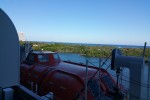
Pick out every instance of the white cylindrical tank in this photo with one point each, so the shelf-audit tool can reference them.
(9, 52)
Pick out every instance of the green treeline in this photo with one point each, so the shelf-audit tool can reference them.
(91, 51)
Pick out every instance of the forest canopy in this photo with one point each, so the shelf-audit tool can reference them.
(91, 51)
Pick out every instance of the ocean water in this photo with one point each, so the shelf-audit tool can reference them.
(117, 46)
(86, 44)
(124, 77)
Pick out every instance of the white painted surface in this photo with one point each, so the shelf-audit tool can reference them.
(136, 67)
(9, 52)
(8, 93)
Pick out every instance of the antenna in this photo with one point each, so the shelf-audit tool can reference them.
(144, 50)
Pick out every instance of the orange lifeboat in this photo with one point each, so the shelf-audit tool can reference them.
(44, 72)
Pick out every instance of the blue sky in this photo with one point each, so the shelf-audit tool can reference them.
(82, 21)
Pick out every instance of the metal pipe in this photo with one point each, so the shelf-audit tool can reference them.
(148, 89)
(31, 86)
(36, 88)
(144, 49)
(86, 80)
(118, 73)
(1, 93)
(99, 96)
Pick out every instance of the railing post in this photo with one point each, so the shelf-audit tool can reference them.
(32, 88)
(1, 93)
(99, 94)
(86, 80)
(148, 89)
(144, 50)
(36, 88)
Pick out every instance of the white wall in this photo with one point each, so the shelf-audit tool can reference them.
(9, 52)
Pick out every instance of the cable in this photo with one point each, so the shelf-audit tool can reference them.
(100, 67)
(103, 73)
(132, 80)
(92, 63)
(135, 82)
(96, 72)
(121, 74)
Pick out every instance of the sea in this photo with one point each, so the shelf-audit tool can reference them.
(112, 45)
(88, 44)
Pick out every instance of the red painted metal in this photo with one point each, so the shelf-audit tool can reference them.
(65, 79)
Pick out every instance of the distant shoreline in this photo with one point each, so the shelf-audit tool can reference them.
(90, 44)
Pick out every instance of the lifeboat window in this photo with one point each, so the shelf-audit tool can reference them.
(108, 82)
(56, 56)
(43, 58)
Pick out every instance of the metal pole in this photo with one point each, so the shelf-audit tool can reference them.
(118, 73)
(1, 93)
(86, 80)
(121, 70)
(148, 94)
(32, 86)
(144, 49)
(99, 96)
(36, 88)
